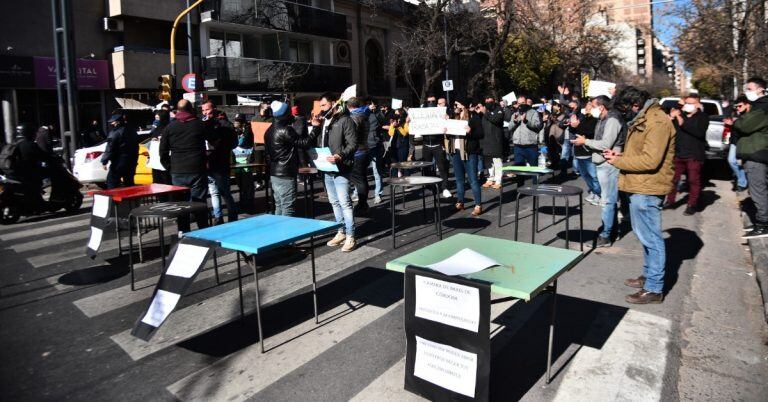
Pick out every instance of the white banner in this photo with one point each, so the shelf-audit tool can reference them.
(153, 162)
(427, 120)
(397, 103)
(597, 88)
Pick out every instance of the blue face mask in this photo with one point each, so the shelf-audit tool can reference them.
(156, 123)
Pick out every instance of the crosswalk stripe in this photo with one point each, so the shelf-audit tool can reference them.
(44, 243)
(629, 366)
(114, 299)
(232, 378)
(42, 230)
(223, 308)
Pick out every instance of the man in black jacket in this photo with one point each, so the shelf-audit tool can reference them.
(29, 164)
(433, 149)
(493, 140)
(690, 146)
(223, 140)
(360, 114)
(338, 133)
(283, 145)
(182, 152)
(122, 153)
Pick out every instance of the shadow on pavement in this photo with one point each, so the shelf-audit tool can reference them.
(681, 245)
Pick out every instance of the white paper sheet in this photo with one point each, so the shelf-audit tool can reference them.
(426, 120)
(162, 305)
(186, 260)
(100, 205)
(456, 127)
(597, 88)
(510, 98)
(321, 163)
(154, 156)
(448, 303)
(348, 93)
(464, 262)
(397, 103)
(446, 366)
(95, 241)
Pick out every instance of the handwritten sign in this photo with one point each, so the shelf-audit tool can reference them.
(427, 120)
(446, 366)
(597, 88)
(448, 303)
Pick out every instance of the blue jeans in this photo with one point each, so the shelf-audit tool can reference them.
(468, 167)
(337, 187)
(218, 185)
(284, 192)
(589, 174)
(738, 171)
(645, 213)
(529, 154)
(376, 162)
(608, 176)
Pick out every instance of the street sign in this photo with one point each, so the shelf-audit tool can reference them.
(448, 85)
(189, 82)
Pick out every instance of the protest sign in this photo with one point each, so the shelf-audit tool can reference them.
(427, 120)
(597, 88)
(397, 103)
(349, 93)
(510, 98)
(455, 127)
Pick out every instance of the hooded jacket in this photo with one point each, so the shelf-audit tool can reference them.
(646, 164)
(182, 146)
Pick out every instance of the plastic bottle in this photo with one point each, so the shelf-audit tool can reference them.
(542, 158)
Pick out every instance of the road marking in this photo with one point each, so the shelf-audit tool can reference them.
(45, 243)
(223, 308)
(629, 367)
(245, 373)
(38, 231)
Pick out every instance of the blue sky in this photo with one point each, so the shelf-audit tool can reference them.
(664, 24)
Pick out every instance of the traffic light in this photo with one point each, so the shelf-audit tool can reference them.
(165, 87)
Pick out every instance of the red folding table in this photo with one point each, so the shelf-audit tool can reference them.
(136, 195)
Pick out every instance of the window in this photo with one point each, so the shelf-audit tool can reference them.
(225, 44)
(300, 51)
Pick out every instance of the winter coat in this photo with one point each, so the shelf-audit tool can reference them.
(182, 146)
(340, 136)
(752, 128)
(122, 147)
(691, 139)
(647, 162)
(527, 132)
(493, 133)
(282, 144)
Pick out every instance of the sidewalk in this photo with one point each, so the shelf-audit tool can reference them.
(759, 248)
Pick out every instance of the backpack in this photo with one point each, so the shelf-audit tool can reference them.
(9, 158)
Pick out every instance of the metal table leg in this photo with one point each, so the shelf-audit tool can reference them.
(424, 203)
(162, 242)
(501, 195)
(240, 286)
(567, 222)
(517, 213)
(117, 232)
(252, 263)
(138, 232)
(130, 250)
(216, 267)
(314, 278)
(551, 331)
(392, 205)
(535, 223)
(437, 208)
(581, 222)
(312, 196)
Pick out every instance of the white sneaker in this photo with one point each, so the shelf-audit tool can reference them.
(349, 244)
(337, 240)
(376, 200)
(595, 200)
(354, 197)
(446, 193)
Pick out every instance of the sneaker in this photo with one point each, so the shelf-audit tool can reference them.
(349, 244)
(644, 297)
(595, 200)
(757, 232)
(602, 242)
(376, 200)
(496, 186)
(337, 240)
(689, 210)
(748, 227)
(354, 197)
(446, 193)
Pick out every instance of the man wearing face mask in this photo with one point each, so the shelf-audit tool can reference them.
(433, 149)
(690, 145)
(755, 93)
(752, 148)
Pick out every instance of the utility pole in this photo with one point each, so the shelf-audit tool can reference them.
(445, 43)
(66, 76)
(190, 58)
(173, 38)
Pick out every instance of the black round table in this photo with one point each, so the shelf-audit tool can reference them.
(307, 175)
(161, 212)
(554, 191)
(534, 175)
(408, 166)
(420, 181)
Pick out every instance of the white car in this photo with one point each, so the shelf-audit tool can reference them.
(87, 166)
(717, 136)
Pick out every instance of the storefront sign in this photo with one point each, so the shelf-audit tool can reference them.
(91, 74)
(16, 72)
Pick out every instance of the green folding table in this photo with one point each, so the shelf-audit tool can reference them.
(528, 270)
(533, 171)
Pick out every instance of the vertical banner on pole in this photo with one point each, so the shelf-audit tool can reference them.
(447, 324)
(102, 207)
(187, 259)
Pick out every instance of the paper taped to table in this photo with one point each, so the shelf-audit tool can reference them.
(100, 222)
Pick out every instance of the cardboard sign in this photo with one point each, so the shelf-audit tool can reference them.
(259, 129)
(397, 103)
(447, 331)
(427, 120)
(188, 258)
(456, 127)
(510, 98)
(597, 88)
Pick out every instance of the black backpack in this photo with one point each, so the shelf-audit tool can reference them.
(9, 158)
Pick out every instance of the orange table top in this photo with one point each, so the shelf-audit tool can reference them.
(126, 193)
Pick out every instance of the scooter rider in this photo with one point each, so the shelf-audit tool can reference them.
(29, 165)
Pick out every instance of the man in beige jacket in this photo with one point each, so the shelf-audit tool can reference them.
(646, 175)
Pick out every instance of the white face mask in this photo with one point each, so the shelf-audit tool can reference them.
(689, 108)
(751, 95)
(595, 112)
(583, 112)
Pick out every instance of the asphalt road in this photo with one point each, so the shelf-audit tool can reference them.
(66, 319)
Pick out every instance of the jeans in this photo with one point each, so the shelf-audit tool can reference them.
(645, 212)
(337, 187)
(494, 169)
(218, 185)
(589, 174)
(692, 169)
(359, 177)
(608, 177)
(376, 165)
(284, 192)
(438, 154)
(198, 190)
(738, 171)
(468, 167)
(526, 154)
(758, 188)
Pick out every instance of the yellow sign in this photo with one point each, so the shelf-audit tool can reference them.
(584, 84)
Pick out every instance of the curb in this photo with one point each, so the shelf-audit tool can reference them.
(759, 248)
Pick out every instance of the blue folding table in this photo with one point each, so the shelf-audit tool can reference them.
(259, 234)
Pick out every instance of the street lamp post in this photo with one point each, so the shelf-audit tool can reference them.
(173, 36)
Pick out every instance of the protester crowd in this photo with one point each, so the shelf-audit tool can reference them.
(630, 151)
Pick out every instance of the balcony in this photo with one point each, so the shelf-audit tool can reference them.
(241, 74)
(157, 10)
(278, 15)
(139, 68)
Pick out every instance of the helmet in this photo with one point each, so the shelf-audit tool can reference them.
(25, 130)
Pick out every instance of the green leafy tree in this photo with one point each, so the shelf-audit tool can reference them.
(527, 65)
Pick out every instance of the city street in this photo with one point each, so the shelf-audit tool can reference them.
(66, 319)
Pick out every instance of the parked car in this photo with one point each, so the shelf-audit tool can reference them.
(88, 168)
(717, 136)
